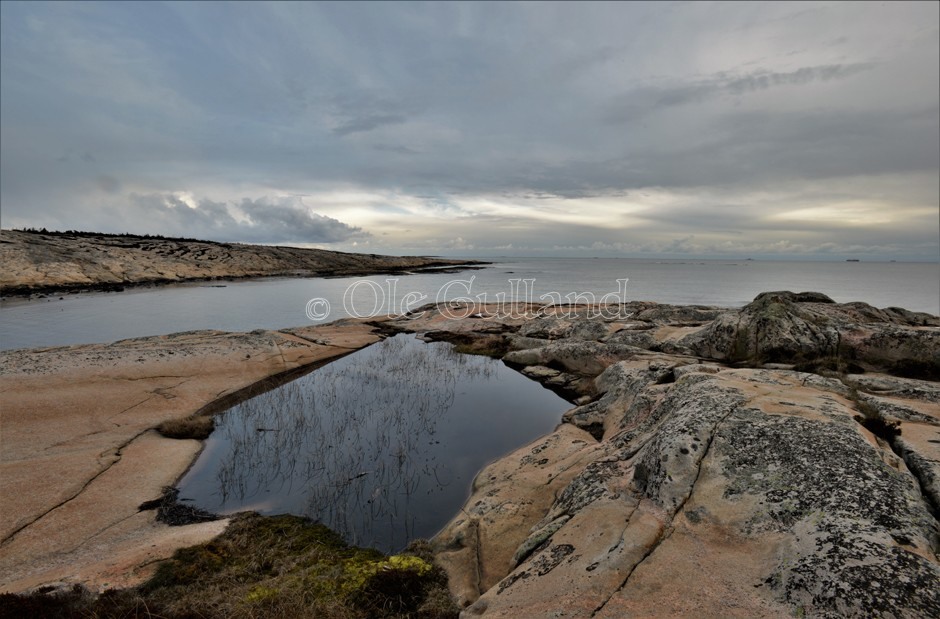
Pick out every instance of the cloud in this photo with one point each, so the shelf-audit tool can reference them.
(693, 246)
(361, 112)
(636, 104)
(288, 220)
(527, 125)
(805, 75)
(262, 220)
(361, 124)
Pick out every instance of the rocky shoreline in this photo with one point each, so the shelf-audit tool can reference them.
(80, 452)
(778, 460)
(37, 263)
(782, 459)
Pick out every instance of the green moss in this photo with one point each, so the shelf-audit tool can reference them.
(357, 573)
(292, 564)
(281, 566)
(187, 566)
(394, 586)
(260, 595)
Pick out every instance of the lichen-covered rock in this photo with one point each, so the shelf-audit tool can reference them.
(545, 328)
(637, 338)
(774, 327)
(773, 460)
(589, 330)
(797, 486)
(581, 357)
(835, 568)
(617, 385)
(669, 465)
(508, 497)
(706, 368)
(522, 342)
(922, 459)
(540, 372)
(673, 314)
(788, 327)
(897, 387)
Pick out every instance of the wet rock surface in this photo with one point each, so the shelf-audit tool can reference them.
(778, 460)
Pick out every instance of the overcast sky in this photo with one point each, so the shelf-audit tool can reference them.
(738, 129)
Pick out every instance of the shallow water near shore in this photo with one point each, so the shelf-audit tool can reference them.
(281, 303)
(381, 445)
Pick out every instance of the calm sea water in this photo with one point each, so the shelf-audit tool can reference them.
(281, 303)
(381, 446)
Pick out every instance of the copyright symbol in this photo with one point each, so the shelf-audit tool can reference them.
(317, 309)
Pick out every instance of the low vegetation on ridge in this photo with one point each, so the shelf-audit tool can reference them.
(280, 567)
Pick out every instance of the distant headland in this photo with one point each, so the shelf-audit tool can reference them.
(40, 261)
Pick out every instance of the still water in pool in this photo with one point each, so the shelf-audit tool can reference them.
(381, 445)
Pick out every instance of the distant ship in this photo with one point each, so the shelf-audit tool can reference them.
(853, 260)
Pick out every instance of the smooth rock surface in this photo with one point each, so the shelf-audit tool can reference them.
(79, 454)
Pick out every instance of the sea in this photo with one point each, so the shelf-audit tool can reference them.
(278, 303)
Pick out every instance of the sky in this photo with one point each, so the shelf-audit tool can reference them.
(791, 130)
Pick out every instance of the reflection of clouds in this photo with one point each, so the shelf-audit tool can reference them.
(351, 444)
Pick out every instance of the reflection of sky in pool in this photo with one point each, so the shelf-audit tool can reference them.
(381, 445)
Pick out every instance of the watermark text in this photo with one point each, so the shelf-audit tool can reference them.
(456, 300)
